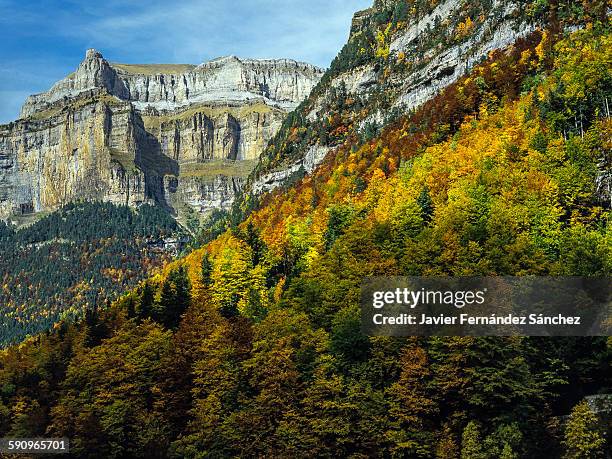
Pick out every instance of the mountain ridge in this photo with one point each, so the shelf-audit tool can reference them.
(110, 134)
(96, 72)
(422, 53)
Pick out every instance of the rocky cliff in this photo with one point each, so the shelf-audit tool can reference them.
(399, 55)
(126, 133)
(283, 83)
(87, 150)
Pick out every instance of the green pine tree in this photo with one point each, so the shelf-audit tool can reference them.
(147, 296)
(207, 269)
(174, 298)
(426, 204)
(471, 442)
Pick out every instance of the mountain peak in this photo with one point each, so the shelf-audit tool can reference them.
(230, 57)
(93, 53)
(221, 61)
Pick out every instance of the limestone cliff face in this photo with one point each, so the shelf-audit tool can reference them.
(126, 133)
(238, 132)
(204, 195)
(283, 83)
(438, 67)
(70, 155)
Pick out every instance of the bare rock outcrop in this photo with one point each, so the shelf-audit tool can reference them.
(124, 133)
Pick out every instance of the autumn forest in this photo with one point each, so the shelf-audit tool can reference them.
(248, 344)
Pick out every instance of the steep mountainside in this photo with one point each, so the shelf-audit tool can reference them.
(399, 55)
(125, 133)
(75, 259)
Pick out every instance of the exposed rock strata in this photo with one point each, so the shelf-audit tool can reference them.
(88, 151)
(283, 83)
(122, 133)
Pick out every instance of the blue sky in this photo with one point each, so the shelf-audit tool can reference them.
(43, 41)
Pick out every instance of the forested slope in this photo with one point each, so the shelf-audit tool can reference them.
(75, 259)
(251, 346)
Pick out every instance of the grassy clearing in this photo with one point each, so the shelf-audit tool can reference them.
(154, 69)
(214, 168)
(25, 220)
(210, 111)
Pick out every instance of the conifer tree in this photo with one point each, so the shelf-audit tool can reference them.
(207, 269)
(426, 204)
(471, 442)
(147, 296)
(174, 298)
